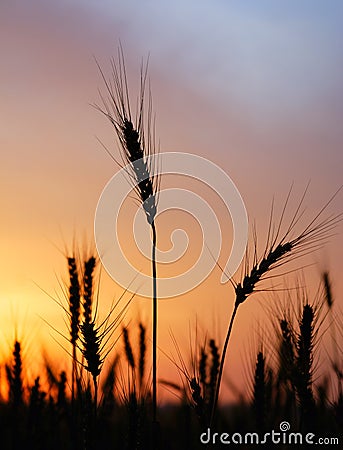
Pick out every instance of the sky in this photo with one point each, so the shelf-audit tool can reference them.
(255, 87)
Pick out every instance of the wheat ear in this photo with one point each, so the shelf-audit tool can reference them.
(304, 362)
(74, 310)
(14, 376)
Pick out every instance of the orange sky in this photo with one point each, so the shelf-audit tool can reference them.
(258, 92)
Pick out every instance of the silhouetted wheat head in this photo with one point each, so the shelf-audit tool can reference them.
(135, 383)
(336, 360)
(260, 392)
(142, 354)
(95, 337)
(128, 349)
(198, 377)
(135, 134)
(304, 365)
(74, 300)
(15, 376)
(133, 387)
(108, 388)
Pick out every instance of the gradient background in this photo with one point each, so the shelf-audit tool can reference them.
(256, 87)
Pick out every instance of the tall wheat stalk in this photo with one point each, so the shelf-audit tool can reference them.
(280, 249)
(137, 143)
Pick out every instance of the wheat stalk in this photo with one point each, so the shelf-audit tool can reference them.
(137, 143)
(279, 250)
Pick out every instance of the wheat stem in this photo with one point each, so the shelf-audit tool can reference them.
(154, 324)
(222, 361)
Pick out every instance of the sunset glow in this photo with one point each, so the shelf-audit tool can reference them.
(256, 89)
